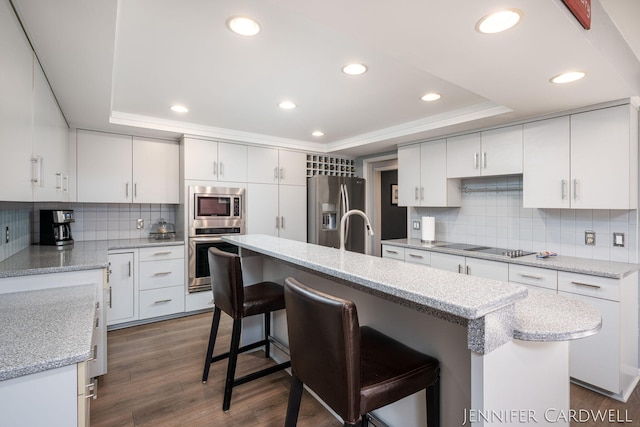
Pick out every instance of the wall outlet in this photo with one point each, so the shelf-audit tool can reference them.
(618, 240)
(416, 225)
(590, 238)
(140, 224)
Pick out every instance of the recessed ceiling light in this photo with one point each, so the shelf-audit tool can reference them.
(179, 108)
(499, 21)
(318, 133)
(569, 77)
(354, 69)
(243, 25)
(287, 105)
(432, 96)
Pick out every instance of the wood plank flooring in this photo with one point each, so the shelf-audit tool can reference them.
(155, 374)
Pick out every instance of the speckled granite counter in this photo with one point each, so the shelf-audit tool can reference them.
(45, 329)
(87, 255)
(615, 270)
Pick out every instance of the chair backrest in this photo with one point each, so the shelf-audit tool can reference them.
(324, 345)
(225, 269)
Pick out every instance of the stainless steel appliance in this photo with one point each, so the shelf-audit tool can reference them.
(213, 213)
(55, 227)
(328, 199)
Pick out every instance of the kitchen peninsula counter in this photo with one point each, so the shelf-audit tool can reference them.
(489, 337)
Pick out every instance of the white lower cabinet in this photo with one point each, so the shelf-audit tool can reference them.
(146, 283)
(393, 252)
(488, 269)
(414, 256)
(455, 263)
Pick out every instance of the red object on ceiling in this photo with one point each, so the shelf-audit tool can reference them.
(581, 9)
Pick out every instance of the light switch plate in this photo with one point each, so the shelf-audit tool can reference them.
(416, 225)
(590, 238)
(618, 240)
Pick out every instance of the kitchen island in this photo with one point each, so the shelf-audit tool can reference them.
(468, 323)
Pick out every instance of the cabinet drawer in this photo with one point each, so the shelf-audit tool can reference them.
(392, 252)
(415, 256)
(160, 302)
(161, 274)
(161, 252)
(536, 276)
(592, 286)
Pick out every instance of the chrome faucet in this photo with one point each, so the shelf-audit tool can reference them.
(343, 223)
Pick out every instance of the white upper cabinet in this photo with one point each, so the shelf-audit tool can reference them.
(422, 176)
(547, 164)
(155, 171)
(104, 167)
(120, 169)
(486, 153)
(50, 144)
(604, 159)
(214, 161)
(270, 165)
(583, 161)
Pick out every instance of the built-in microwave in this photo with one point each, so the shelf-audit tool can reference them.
(216, 210)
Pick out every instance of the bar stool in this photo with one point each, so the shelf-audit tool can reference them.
(353, 369)
(230, 296)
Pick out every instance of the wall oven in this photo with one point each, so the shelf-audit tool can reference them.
(213, 212)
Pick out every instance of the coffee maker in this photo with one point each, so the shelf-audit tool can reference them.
(55, 227)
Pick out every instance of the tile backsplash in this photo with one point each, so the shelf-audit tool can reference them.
(497, 218)
(15, 216)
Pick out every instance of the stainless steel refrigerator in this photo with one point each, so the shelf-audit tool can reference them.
(328, 198)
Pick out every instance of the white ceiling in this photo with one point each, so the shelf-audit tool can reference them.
(119, 66)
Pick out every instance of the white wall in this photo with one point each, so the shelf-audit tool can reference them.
(498, 219)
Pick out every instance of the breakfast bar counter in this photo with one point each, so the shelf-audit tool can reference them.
(499, 350)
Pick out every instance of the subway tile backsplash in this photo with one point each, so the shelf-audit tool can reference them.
(15, 216)
(498, 219)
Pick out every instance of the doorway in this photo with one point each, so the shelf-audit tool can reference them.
(389, 220)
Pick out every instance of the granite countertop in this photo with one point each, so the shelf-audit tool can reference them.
(45, 329)
(417, 286)
(544, 316)
(610, 269)
(88, 255)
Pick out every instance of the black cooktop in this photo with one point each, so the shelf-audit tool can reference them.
(511, 253)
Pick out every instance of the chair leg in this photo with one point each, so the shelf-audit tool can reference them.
(212, 342)
(293, 407)
(233, 358)
(433, 404)
(267, 332)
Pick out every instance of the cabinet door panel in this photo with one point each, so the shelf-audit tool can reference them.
(433, 188)
(104, 168)
(262, 209)
(293, 167)
(393, 252)
(488, 269)
(161, 302)
(455, 263)
(263, 165)
(409, 175)
(463, 156)
(293, 212)
(502, 151)
(161, 274)
(200, 159)
(546, 175)
(120, 306)
(232, 162)
(155, 171)
(16, 109)
(600, 159)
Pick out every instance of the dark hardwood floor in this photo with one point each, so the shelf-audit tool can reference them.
(154, 378)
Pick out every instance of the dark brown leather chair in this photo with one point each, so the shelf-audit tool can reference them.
(353, 369)
(230, 296)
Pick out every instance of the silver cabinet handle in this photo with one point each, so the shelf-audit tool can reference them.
(97, 322)
(95, 354)
(415, 256)
(110, 298)
(161, 253)
(215, 167)
(460, 268)
(468, 270)
(281, 174)
(129, 268)
(416, 193)
(135, 190)
(531, 276)
(586, 285)
(475, 160)
(162, 273)
(484, 159)
(563, 186)
(275, 173)
(126, 190)
(277, 222)
(58, 181)
(163, 301)
(65, 186)
(421, 193)
(391, 252)
(281, 222)
(575, 189)
(221, 169)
